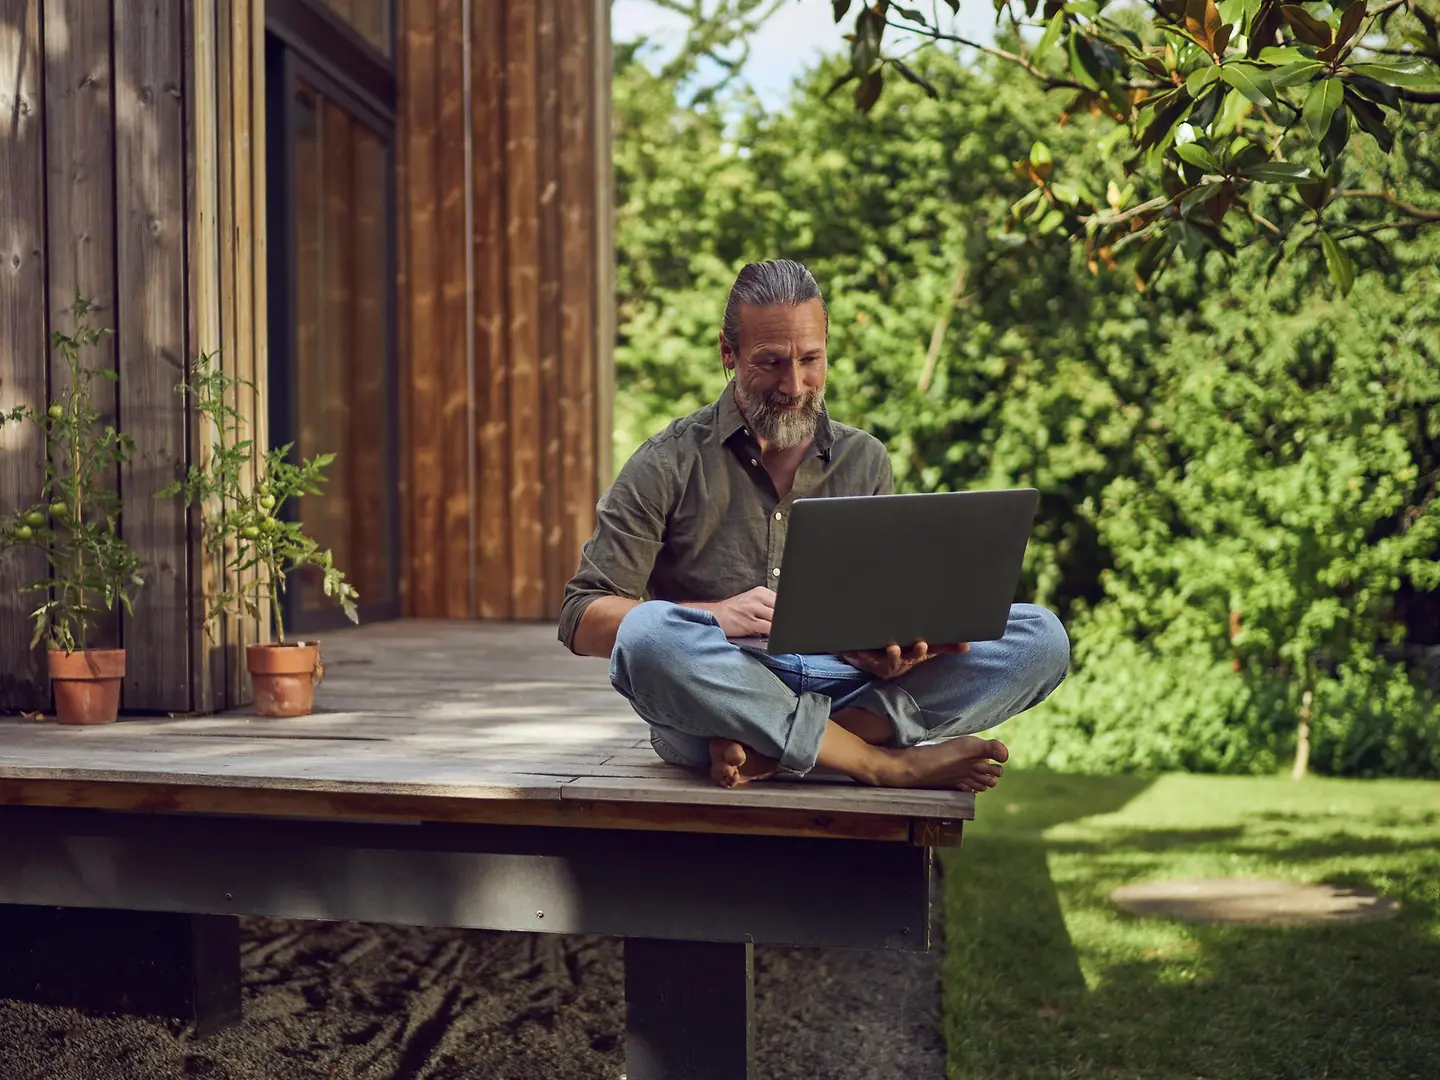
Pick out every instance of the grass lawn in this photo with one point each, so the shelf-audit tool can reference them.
(1044, 977)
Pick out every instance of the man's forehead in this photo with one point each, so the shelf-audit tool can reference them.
(780, 325)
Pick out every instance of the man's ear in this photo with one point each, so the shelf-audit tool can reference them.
(727, 354)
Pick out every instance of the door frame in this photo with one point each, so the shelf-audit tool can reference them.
(292, 59)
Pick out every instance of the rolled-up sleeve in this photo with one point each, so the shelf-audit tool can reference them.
(630, 521)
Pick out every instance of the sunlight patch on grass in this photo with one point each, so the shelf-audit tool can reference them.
(1046, 977)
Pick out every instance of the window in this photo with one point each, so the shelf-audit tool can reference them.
(332, 296)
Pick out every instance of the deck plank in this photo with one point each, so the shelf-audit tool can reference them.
(442, 714)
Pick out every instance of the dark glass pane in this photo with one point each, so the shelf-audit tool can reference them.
(342, 344)
(370, 17)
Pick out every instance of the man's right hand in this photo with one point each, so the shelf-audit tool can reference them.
(746, 615)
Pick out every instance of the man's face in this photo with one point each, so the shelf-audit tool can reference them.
(779, 365)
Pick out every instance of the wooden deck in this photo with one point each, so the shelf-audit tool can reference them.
(443, 721)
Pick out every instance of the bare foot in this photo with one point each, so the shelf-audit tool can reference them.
(733, 763)
(966, 763)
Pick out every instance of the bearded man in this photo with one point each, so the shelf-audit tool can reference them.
(696, 521)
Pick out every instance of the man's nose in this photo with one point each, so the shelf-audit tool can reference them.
(790, 381)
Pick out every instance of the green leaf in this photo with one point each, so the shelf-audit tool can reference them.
(840, 8)
(1307, 27)
(1051, 35)
(1374, 89)
(1337, 137)
(911, 14)
(1320, 105)
(1415, 73)
(1200, 78)
(1249, 80)
(1198, 156)
(1084, 64)
(1281, 55)
(1040, 156)
(1294, 74)
(1370, 119)
(1231, 113)
(1276, 172)
(1342, 269)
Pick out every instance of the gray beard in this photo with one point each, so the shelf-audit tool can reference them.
(784, 429)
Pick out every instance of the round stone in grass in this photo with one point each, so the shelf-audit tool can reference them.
(1253, 900)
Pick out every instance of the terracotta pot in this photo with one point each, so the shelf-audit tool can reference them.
(284, 677)
(87, 684)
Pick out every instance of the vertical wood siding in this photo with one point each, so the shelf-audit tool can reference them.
(504, 450)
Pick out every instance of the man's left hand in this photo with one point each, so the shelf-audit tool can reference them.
(893, 661)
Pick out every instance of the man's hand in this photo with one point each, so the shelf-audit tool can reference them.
(746, 615)
(892, 661)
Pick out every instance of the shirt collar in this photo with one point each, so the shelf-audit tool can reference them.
(731, 422)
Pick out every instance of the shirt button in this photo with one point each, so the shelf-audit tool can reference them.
(754, 462)
(778, 515)
(775, 572)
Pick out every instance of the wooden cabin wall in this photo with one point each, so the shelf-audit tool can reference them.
(128, 161)
(505, 295)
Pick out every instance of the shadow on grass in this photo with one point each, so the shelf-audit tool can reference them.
(1044, 977)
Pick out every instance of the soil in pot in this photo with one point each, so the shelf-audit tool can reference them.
(87, 684)
(284, 677)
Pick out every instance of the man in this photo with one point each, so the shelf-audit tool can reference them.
(697, 519)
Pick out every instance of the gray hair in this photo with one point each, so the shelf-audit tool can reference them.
(769, 284)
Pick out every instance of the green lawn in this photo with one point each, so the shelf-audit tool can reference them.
(1044, 977)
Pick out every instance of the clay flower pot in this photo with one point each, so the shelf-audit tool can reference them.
(87, 684)
(284, 677)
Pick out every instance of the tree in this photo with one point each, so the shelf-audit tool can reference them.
(1238, 122)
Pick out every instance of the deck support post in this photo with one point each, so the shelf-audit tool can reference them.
(689, 1010)
(147, 963)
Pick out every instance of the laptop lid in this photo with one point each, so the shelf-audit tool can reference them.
(861, 572)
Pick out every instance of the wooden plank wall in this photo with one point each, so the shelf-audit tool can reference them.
(505, 358)
(127, 176)
(23, 365)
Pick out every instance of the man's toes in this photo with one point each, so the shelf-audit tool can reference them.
(989, 768)
(996, 750)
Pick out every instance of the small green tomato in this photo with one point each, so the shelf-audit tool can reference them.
(24, 532)
(35, 519)
(58, 509)
(250, 532)
(56, 412)
(267, 502)
(271, 525)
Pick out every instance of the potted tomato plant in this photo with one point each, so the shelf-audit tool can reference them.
(76, 526)
(244, 526)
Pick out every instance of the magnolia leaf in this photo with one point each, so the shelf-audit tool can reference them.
(1280, 55)
(1203, 21)
(1051, 35)
(1342, 269)
(1370, 119)
(1276, 172)
(1294, 74)
(1198, 156)
(1200, 78)
(1231, 112)
(1337, 136)
(1374, 89)
(1415, 73)
(1307, 27)
(1249, 80)
(868, 92)
(1350, 22)
(1320, 105)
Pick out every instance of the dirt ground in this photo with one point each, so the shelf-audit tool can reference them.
(361, 1002)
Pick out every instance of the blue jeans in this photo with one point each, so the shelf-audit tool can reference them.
(691, 684)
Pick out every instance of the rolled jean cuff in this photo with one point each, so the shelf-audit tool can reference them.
(802, 745)
(888, 700)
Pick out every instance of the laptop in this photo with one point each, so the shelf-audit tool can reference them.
(860, 572)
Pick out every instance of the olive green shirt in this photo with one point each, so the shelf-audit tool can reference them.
(694, 516)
